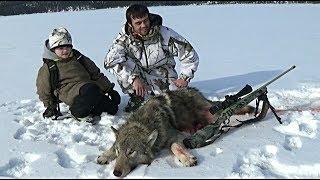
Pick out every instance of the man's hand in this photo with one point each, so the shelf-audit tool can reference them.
(50, 111)
(180, 83)
(139, 87)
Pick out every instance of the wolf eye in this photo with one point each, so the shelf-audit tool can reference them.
(131, 153)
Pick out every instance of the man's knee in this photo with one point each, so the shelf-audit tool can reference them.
(80, 108)
(89, 89)
(87, 99)
(92, 101)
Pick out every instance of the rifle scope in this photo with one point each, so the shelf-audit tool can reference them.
(230, 99)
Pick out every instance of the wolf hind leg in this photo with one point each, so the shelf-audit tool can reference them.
(107, 156)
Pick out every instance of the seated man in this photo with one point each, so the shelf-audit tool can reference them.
(142, 57)
(80, 84)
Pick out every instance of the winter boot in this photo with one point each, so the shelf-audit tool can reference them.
(93, 119)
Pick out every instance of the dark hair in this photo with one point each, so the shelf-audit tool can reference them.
(136, 11)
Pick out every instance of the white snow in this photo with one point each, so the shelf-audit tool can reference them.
(238, 44)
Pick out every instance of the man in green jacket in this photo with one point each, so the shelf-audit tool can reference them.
(81, 85)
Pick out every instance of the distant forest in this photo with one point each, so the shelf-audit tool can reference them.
(8, 8)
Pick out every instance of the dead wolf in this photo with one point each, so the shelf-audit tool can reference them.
(160, 122)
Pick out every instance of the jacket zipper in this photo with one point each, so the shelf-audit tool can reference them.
(145, 53)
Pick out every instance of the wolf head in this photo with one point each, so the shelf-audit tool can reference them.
(132, 150)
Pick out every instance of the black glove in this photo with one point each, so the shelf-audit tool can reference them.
(50, 111)
(115, 96)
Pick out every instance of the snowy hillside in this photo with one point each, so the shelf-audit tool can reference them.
(237, 45)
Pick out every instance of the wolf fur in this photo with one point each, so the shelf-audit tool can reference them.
(159, 123)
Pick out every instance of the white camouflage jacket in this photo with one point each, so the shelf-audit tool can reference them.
(151, 58)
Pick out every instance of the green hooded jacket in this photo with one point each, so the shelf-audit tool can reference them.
(72, 76)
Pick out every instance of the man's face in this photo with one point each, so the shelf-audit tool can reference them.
(63, 52)
(141, 25)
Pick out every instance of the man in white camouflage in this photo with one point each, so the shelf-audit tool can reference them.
(142, 57)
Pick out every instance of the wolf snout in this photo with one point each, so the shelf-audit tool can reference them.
(122, 171)
(117, 173)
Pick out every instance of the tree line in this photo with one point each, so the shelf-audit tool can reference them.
(8, 8)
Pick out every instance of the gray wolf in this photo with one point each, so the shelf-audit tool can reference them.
(161, 122)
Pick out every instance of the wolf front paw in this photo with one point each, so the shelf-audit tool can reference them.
(185, 157)
(102, 160)
(189, 161)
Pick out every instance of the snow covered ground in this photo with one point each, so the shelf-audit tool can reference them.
(237, 45)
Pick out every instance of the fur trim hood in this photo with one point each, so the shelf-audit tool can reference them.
(47, 53)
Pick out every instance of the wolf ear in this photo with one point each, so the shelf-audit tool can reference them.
(152, 138)
(115, 131)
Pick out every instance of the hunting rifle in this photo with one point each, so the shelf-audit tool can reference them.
(227, 108)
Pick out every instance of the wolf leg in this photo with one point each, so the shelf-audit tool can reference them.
(178, 149)
(184, 156)
(107, 156)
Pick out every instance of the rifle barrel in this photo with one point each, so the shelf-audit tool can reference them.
(272, 80)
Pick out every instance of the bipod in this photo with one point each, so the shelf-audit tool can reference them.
(263, 97)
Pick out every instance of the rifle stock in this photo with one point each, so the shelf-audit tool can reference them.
(200, 138)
